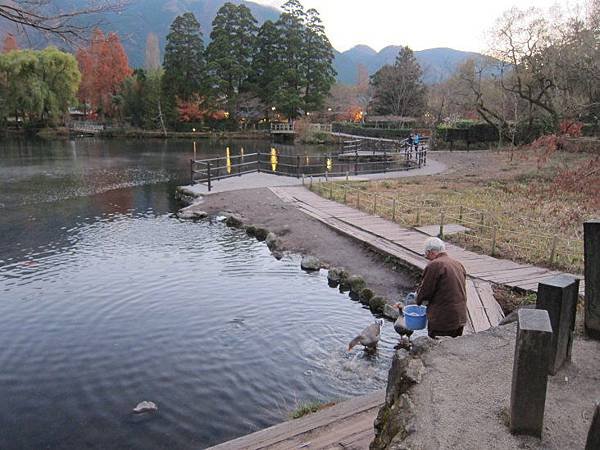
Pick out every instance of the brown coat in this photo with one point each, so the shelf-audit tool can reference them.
(443, 286)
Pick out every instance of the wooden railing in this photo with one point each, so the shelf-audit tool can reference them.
(87, 127)
(210, 170)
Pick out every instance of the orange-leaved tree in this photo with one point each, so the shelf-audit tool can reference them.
(104, 66)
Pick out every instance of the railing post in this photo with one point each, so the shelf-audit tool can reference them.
(331, 189)
(393, 210)
(345, 194)
(591, 251)
(385, 161)
(494, 241)
(559, 297)
(460, 214)
(418, 217)
(358, 200)
(297, 166)
(441, 235)
(311, 183)
(192, 171)
(530, 372)
(374, 204)
(208, 176)
(258, 161)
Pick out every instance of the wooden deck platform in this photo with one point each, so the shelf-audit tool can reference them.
(347, 425)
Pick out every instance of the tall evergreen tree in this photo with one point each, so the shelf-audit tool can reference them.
(267, 65)
(229, 55)
(292, 28)
(399, 89)
(318, 64)
(184, 65)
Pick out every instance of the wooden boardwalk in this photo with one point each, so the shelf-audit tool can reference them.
(347, 425)
(407, 245)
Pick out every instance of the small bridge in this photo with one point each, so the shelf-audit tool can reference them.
(87, 128)
(291, 128)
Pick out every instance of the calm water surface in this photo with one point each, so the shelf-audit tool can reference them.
(106, 300)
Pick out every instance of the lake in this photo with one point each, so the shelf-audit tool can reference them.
(107, 299)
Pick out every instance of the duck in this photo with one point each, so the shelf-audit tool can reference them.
(400, 325)
(369, 337)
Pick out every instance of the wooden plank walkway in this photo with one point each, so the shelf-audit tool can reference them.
(347, 425)
(405, 244)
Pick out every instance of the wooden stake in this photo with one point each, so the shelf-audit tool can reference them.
(553, 250)
(393, 210)
(494, 241)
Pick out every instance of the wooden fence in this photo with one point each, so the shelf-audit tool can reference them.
(486, 234)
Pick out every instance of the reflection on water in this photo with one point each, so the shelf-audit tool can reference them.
(107, 300)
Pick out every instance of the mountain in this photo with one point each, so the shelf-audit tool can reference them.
(438, 64)
(141, 17)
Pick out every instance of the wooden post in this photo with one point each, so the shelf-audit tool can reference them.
(393, 210)
(494, 232)
(346, 175)
(345, 194)
(331, 189)
(374, 204)
(530, 372)
(302, 179)
(460, 214)
(482, 221)
(208, 175)
(297, 166)
(441, 235)
(593, 437)
(559, 297)
(311, 183)
(192, 171)
(358, 200)
(326, 176)
(418, 217)
(258, 162)
(591, 245)
(553, 249)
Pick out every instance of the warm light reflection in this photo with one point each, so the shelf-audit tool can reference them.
(329, 164)
(273, 159)
(307, 160)
(228, 153)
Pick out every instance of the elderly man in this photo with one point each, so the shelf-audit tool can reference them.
(443, 290)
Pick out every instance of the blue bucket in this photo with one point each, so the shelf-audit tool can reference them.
(415, 317)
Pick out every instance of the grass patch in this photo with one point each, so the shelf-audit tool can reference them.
(307, 408)
(514, 209)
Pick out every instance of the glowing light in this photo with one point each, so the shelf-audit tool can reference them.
(273, 108)
(228, 164)
(273, 159)
(329, 164)
(193, 130)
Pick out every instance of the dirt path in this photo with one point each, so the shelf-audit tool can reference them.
(304, 235)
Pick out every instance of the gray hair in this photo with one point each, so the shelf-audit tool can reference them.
(434, 244)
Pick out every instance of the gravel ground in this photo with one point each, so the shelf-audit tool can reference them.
(463, 399)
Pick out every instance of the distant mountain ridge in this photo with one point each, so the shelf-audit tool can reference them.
(438, 64)
(141, 17)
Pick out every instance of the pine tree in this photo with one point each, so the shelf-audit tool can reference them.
(229, 55)
(184, 65)
(292, 29)
(399, 89)
(318, 63)
(267, 65)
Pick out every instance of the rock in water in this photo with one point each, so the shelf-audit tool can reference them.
(143, 407)
(310, 263)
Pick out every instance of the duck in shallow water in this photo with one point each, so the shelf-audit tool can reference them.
(369, 337)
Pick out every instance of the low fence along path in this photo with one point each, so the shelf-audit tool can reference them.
(407, 245)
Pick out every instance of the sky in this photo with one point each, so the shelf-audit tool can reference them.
(420, 24)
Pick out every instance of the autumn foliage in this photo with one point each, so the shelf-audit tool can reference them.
(104, 66)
